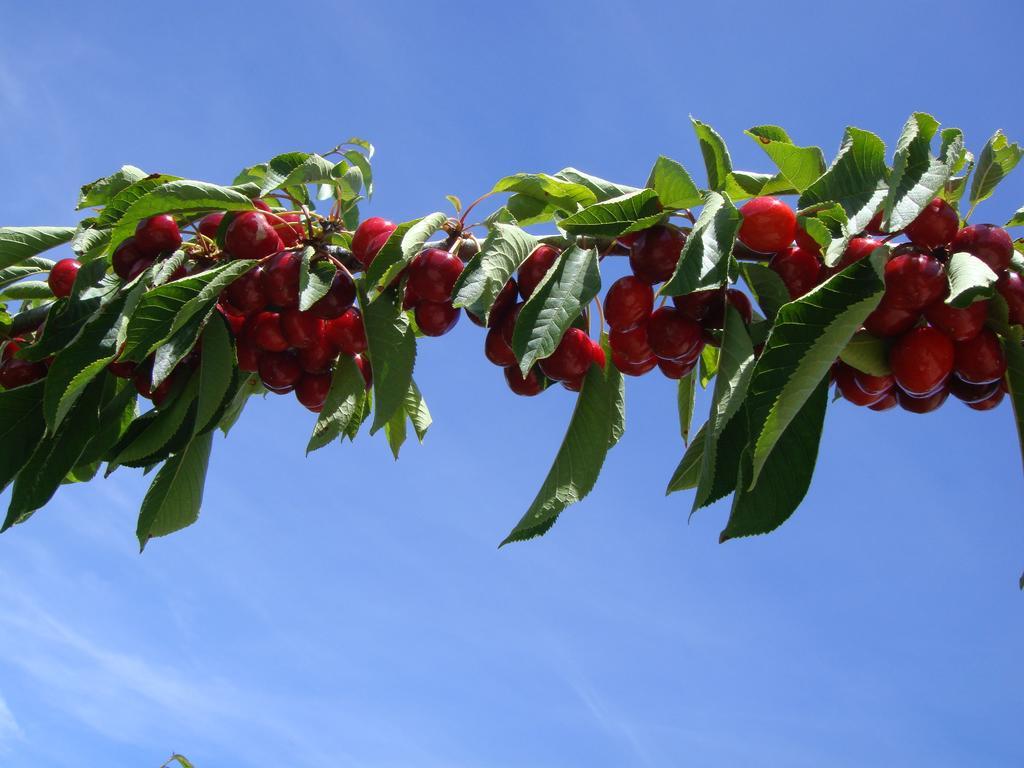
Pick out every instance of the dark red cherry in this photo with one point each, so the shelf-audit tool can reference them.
(248, 354)
(436, 318)
(279, 370)
(281, 279)
(887, 320)
(846, 382)
(631, 368)
(889, 400)
(504, 302)
(969, 392)
(340, 296)
(125, 257)
(143, 377)
(246, 293)
(509, 324)
(914, 280)
(935, 226)
(571, 358)
(799, 269)
(235, 321)
(672, 335)
(676, 369)
(858, 248)
(924, 404)
(631, 345)
(370, 237)
(17, 373)
(805, 242)
(123, 369)
(527, 386)
(874, 226)
(497, 350)
(988, 242)
(980, 359)
(318, 357)
(921, 360)
(768, 225)
(654, 255)
(873, 385)
(301, 329)
(311, 390)
(432, 274)
(263, 206)
(536, 266)
(1011, 288)
(696, 305)
(156, 235)
(958, 324)
(629, 303)
(363, 364)
(715, 315)
(989, 402)
(266, 332)
(250, 236)
(288, 226)
(62, 277)
(210, 224)
(346, 332)
(138, 268)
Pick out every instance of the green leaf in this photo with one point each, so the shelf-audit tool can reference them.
(687, 473)
(124, 199)
(34, 265)
(118, 409)
(799, 166)
(102, 191)
(742, 185)
(808, 335)
(315, 278)
(705, 258)
(997, 159)
(686, 396)
(867, 353)
(217, 374)
(575, 470)
(629, 213)
(1015, 382)
(401, 247)
(30, 289)
(17, 244)
(601, 188)
(917, 176)
(505, 248)
(416, 408)
(766, 285)
(392, 350)
(548, 191)
(673, 184)
(341, 406)
(708, 365)
(395, 431)
(786, 476)
(54, 457)
(295, 168)
(173, 500)
(970, 279)
(716, 155)
(21, 427)
(160, 428)
(1017, 220)
(570, 284)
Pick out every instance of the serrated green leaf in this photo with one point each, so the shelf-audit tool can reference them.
(867, 353)
(799, 166)
(674, 185)
(295, 168)
(392, 350)
(27, 290)
(545, 193)
(395, 431)
(173, 500)
(686, 396)
(571, 283)
(315, 278)
(715, 153)
(400, 248)
(505, 248)
(101, 191)
(997, 159)
(416, 408)
(917, 176)
(970, 279)
(631, 212)
(118, 409)
(20, 243)
(705, 257)
(708, 365)
(217, 374)
(341, 406)
(687, 472)
(1017, 220)
(34, 265)
(21, 428)
(1015, 382)
(161, 428)
(123, 200)
(601, 188)
(743, 185)
(579, 460)
(769, 291)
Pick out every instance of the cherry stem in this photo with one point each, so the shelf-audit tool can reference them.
(600, 317)
(471, 206)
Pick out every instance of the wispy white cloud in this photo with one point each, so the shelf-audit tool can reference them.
(9, 728)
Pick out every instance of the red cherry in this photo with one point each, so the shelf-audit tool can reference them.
(629, 303)
(340, 296)
(436, 318)
(715, 315)
(935, 226)
(125, 257)
(858, 248)
(889, 400)
(266, 332)
(235, 322)
(969, 392)
(873, 385)
(246, 293)
(527, 386)
(990, 402)
(123, 369)
(980, 359)
(263, 206)
(311, 390)
(347, 333)
(210, 224)
(156, 235)
(632, 345)
(696, 305)
(11, 347)
(138, 268)
(62, 277)
(504, 303)
(575, 385)
(799, 269)
(887, 320)
(654, 255)
(432, 274)
(532, 271)
(627, 240)
(631, 368)
(279, 370)
(924, 404)
(281, 279)
(958, 324)
(805, 242)
(846, 382)
(571, 358)
(248, 354)
(143, 377)
(1011, 288)
(597, 356)
(921, 360)
(672, 335)
(988, 242)
(301, 329)
(874, 226)
(914, 280)
(409, 298)
(370, 237)
(676, 369)
(768, 225)
(250, 236)
(289, 228)
(497, 350)
(17, 373)
(509, 324)
(363, 364)
(318, 357)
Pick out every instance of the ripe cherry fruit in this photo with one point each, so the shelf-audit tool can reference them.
(571, 358)
(958, 324)
(156, 235)
(633, 368)
(858, 248)
(370, 237)
(676, 369)
(925, 403)
(988, 242)
(935, 226)
(279, 370)
(528, 386)
(672, 335)
(17, 373)
(265, 331)
(250, 236)
(281, 279)
(1011, 288)
(980, 359)
(655, 253)
(318, 357)
(632, 345)
(921, 360)
(210, 224)
(497, 350)
(339, 297)
(125, 257)
(536, 266)
(914, 280)
(886, 320)
(432, 274)
(436, 318)
(62, 277)
(301, 329)
(628, 303)
(799, 269)
(846, 382)
(246, 293)
(311, 390)
(768, 225)
(346, 332)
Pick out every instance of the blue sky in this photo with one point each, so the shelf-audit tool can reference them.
(345, 610)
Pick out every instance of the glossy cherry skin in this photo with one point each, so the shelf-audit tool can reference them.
(246, 293)
(123, 369)
(436, 318)
(889, 400)
(235, 322)
(17, 373)
(989, 402)
(958, 324)
(497, 350)
(266, 332)
(503, 304)
(672, 335)
(318, 357)
(676, 369)
(370, 237)
(799, 269)
(251, 236)
(125, 257)
(536, 266)
(846, 382)
(248, 354)
(715, 316)
(887, 320)
(631, 368)
(924, 404)
(914, 280)
(768, 225)
(805, 241)
(1011, 288)
(527, 386)
(281, 279)
(62, 277)
(363, 364)
(311, 390)
(508, 326)
(654, 255)
(347, 333)
(571, 358)
(301, 329)
(210, 224)
(138, 268)
(279, 370)
(921, 360)
(980, 359)
(632, 345)
(696, 305)
(968, 392)
(873, 385)
(432, 274)
(988, 242)
(935, 226)
(629, 303)
(340, 296)
(858, 248)
(156, 235)
(288, 226)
